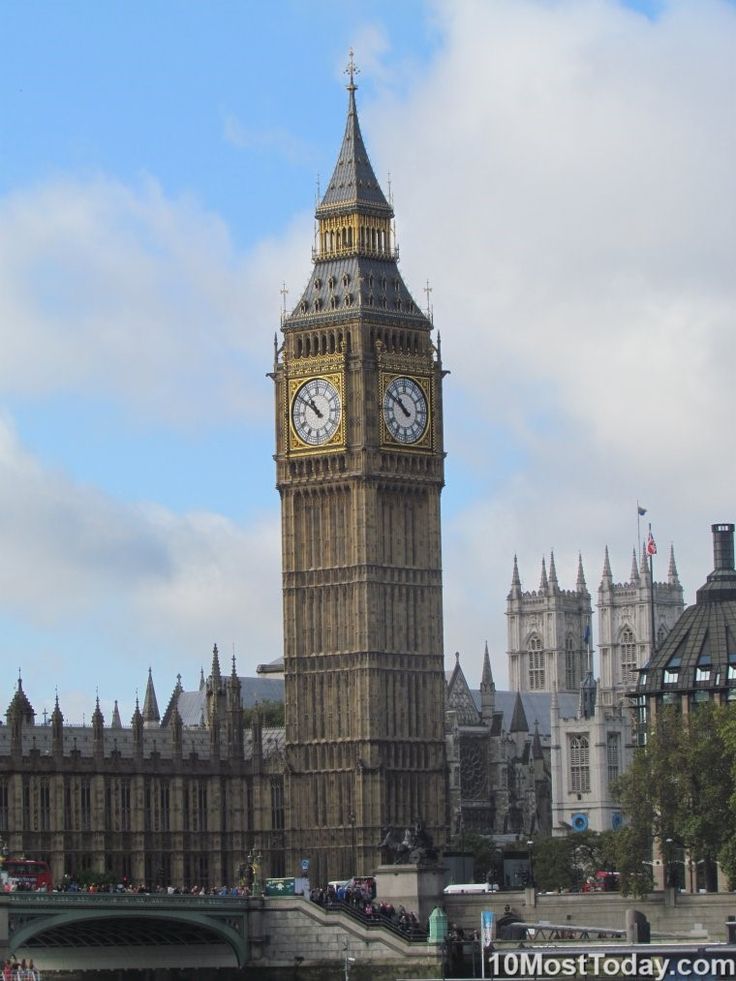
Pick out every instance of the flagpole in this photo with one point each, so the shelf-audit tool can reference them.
(651, 585)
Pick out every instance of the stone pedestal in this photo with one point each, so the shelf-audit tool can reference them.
(417, 887)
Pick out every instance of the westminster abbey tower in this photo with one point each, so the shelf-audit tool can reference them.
(360, 469)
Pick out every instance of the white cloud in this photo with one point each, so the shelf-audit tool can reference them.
(564, 176)
(149, 585)
(123, 292)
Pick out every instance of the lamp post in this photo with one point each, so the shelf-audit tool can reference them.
(351, 818)
(530, 844)
(667, 862)
(674, 880)
(348, 961)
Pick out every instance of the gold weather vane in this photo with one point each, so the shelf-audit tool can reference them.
(352, 70)
(428, 290)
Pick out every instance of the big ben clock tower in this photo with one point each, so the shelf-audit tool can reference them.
(360, 469)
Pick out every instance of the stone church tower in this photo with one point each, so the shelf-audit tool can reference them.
(625, 623)
(360, 469)
(591, 748)
(549, 633)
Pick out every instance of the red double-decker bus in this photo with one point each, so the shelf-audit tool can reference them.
(26, 874)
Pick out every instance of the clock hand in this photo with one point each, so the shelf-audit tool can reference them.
(397, 399)
(312, 406)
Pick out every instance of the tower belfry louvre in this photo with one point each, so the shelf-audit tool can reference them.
(360, 469)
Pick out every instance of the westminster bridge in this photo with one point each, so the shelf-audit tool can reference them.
(278, 939)
(219, 936)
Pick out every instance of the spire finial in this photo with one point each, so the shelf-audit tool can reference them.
(581, 585)
(552, 569)
(607, 565)
(351, 71)
(284, 293)
(672, 577)
(428, 290)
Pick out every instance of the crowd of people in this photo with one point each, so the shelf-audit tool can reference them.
(360, 897)
(14, 970)
(128, 888)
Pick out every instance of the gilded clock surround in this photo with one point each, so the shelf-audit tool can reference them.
(337, 440)
(424, 442)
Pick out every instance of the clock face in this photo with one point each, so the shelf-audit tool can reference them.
(405, 410)
(316, 411)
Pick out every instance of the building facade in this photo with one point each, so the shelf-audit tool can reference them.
(549, 633)
(625, 623)
(164, 801)
(594, 745)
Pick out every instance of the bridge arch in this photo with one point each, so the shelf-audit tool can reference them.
(110, 925)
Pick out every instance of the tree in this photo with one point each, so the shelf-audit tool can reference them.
(678, 792)
(484, 852)
(567, 863)
(271, 713)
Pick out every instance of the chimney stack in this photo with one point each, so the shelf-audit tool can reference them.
(723, 547)
(720, 585)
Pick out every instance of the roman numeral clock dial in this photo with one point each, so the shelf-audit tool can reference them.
(405, 410)
(316, 411)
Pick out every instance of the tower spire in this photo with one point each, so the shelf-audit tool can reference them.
(634, 577)
(607, 567)
(487, 676)
(151, 716)
(581, 585)
(552, 570)
(515, 581)
(543, 578)
(672, 577)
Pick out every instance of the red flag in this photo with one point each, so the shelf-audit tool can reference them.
(651, 544)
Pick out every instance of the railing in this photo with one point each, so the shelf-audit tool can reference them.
(45, 899)
(415, 934)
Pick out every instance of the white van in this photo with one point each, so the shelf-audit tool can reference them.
(470, 887)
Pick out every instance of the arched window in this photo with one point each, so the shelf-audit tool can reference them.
(629, 663)
(579, 764)
(613, 755)
(536, 664)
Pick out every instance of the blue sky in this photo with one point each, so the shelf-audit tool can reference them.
(562, 174)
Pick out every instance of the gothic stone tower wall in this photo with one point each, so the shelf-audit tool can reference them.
(625, 624)
(548, 633)
(360, 470)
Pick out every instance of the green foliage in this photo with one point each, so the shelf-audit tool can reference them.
(679, 793)
(485, 855)
(271, 713)
(552, 864)
(566, 863)
(630, 851)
